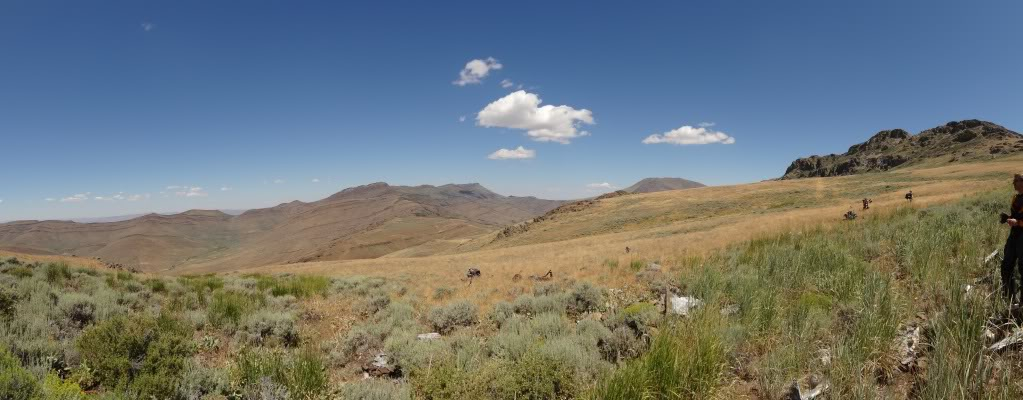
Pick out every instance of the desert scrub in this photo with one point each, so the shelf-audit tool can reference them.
(141, 353)
(15, 382)
(299, 374)
(446, 318)
(267, 328)
(585, 297)
(376, 389)
(227, 308)
(300, 286)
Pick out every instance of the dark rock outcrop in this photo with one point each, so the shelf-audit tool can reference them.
(955, 141)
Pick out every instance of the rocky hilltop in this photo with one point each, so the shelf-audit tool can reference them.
(955, 141)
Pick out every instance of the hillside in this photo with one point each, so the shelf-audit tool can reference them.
(362, 222)
(650, 185)
(961, 141)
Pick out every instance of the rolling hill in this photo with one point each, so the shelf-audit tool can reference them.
(362, 222)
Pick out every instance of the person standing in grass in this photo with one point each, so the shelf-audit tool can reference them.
(1014, 244)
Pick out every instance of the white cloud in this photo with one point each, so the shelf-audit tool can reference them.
(521, 153)
(521, 110)
(193, 191)
(316, 180)
(278, 181)
(476, 70)
(461, 119)
(603, 185)
(226, 189)
(1, 201)
(507, 83)
(75, 198)
(687, 135)
(175, 187)
(137, 197)
(706, 124)
(50, 199)
(148, 26)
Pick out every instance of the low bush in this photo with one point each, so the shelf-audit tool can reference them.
(140, 353)
(57, 272)
(446, 318)
(227, 308)
(585, 297)
(301, 374)
(266, 327)
(376, 389)
(15, 382)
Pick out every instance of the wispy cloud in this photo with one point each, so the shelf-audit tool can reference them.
(316, 180)
(278, 181)
(50, 199)
(688, 135)
(476, 70)
(602, 185)
(138, 197)
(522, 110)
(706, 124)
(507, 83)
(520, 153)
(461, 119)
(226, 189)
(148, 26)
(193, 191)
(75, 198)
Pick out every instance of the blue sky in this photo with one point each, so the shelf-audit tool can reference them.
(126, 100)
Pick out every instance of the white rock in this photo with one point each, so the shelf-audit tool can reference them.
(681, 305)
(428, 336)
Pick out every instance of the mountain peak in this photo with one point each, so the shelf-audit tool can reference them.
(649, 185)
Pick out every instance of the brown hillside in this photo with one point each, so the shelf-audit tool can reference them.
(363, 222)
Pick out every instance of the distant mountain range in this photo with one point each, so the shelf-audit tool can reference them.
(650, 185)
(118, 218)
(955, 141)
(362, 222)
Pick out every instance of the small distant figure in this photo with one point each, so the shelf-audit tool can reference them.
(909, 196)
(516, 277)
(546, 277)
(866, 203)
(473, 273)
(627, 250)
(850, 215)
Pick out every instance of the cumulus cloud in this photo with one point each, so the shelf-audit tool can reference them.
(522, 110)
(521, 153)
(75, 198)
(602, 185)
(687, 135)
(476, 70)
(148, 26)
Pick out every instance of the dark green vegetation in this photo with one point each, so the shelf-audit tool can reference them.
(833, 304)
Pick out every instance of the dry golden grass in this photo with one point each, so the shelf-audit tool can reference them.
(662, 227)
(74, 261)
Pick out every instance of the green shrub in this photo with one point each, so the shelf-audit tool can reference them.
(156, 285)
(227, 308)
(141, 353)
(446, 318)
(8, 303)
(637, 265)
(501, 312)
(57, 272)
(443, 293)
(301, 374)
(15, 382)
(534, 305)
(54, 388)
(19, 271)
(198, 381)
(300, 286)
